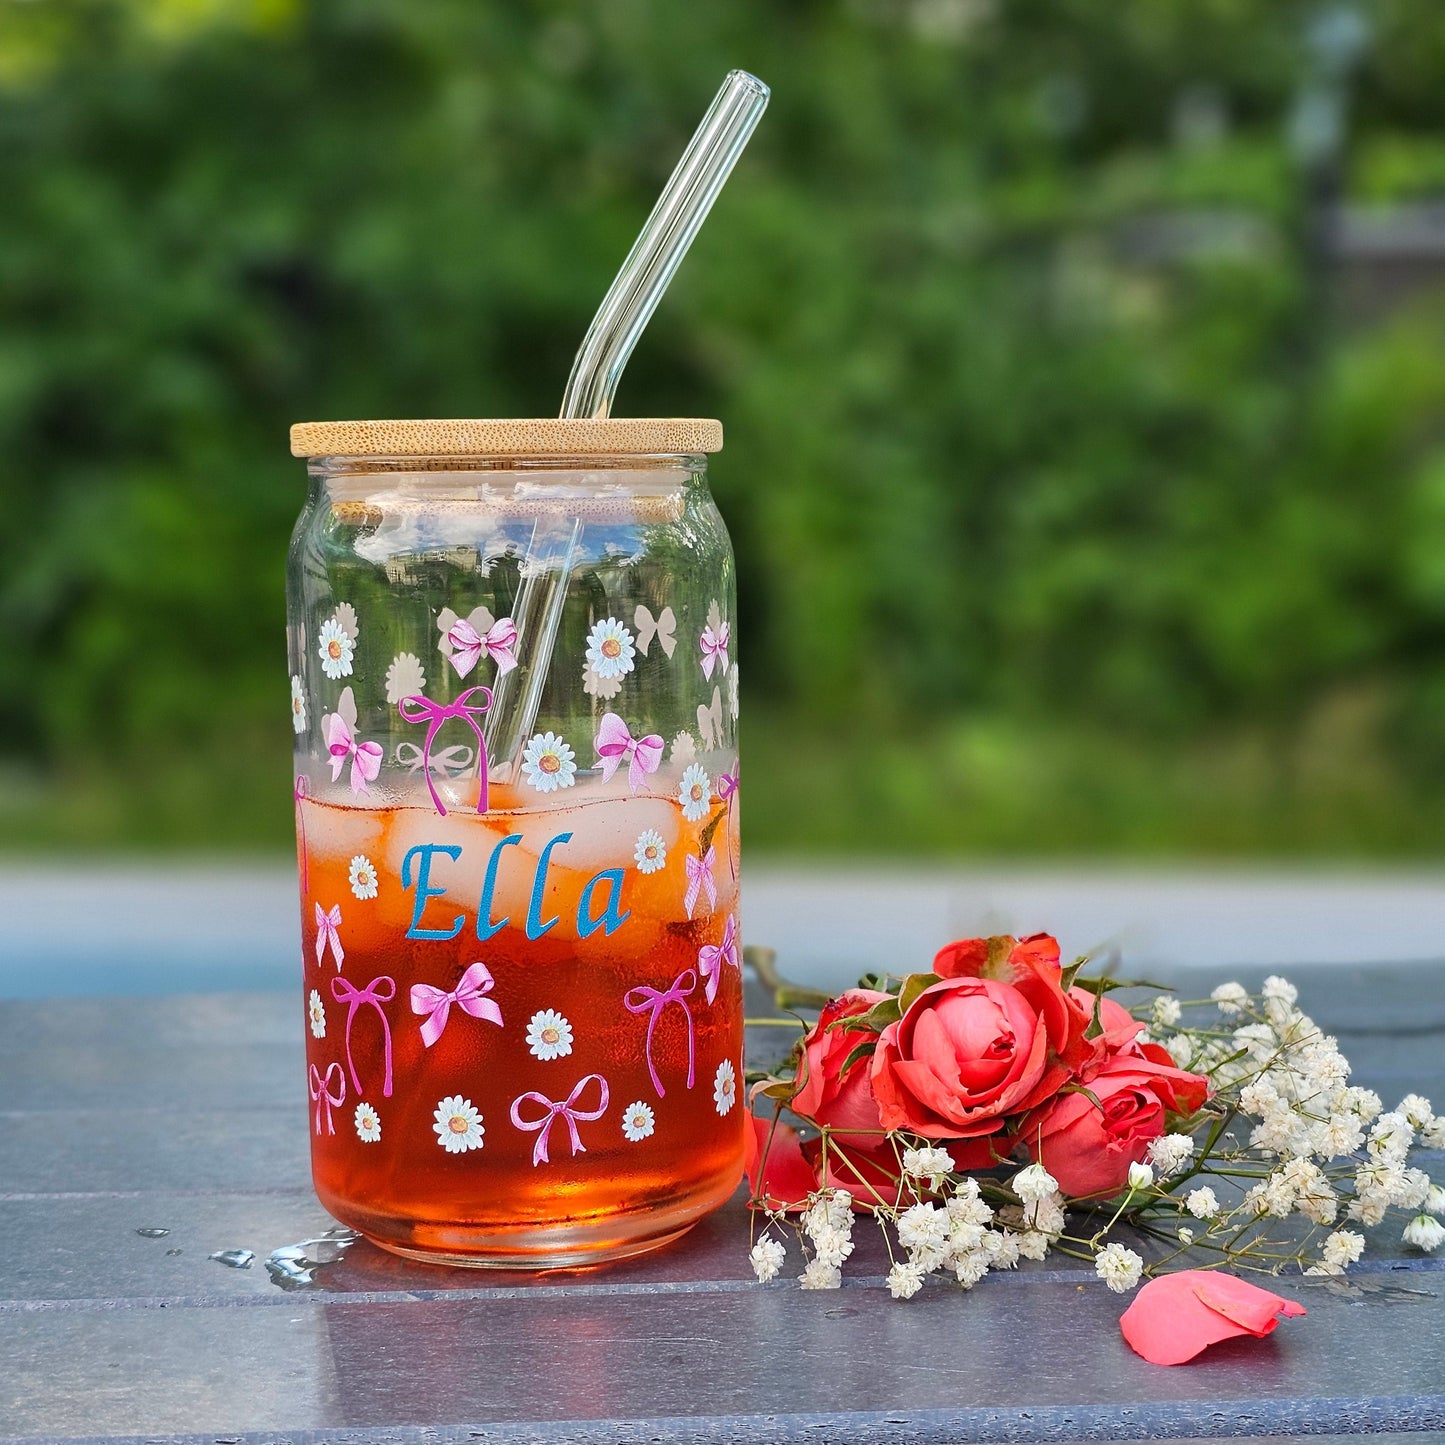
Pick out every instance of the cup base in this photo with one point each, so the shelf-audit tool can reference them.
(577, 1257)
(532, 1246)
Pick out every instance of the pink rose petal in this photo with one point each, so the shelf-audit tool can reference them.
(1174, 1317)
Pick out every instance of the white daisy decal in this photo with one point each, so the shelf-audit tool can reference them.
(684, 749)
(336, 649)
(725, 1087)
(609, 648)
(368, 1124)
(404, 678)
(733, 691)
(695, 793)
(362, 873)
(316, 1012)
(637, 1122)
(651, 851)
(549, 1035)
(298, 705)
(548, 763)
(458, 1125)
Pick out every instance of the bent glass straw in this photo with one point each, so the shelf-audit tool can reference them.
(628, 306)
(658, 251)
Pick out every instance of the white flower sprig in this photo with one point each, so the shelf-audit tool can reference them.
(1264, 1177)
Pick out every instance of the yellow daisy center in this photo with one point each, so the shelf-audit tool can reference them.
(695, 792)
(551, 1035)
(458, 1124)
(611, 647)
(333, 649)
(549, 763)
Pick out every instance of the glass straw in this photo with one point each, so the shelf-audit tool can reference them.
(625, 311)
(658, 251)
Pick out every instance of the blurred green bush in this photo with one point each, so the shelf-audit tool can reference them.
(1077, 505)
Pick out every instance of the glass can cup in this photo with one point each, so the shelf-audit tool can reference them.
(514, 694)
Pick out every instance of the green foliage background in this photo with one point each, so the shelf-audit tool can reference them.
(1049, 540)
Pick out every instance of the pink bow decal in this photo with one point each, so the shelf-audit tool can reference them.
(341, 743)
(325, 1099)
(652, 1001)
(498, 642)
(714, 644)
(434, 714)
(470, 995)
(328, 930)
(727, 789)
(712, 956)
(300, 791)
(699, 878)
(344, 992)
(614, 744)
(568, 1110)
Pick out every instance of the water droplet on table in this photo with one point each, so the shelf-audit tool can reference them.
(172, 1251)
(294, 1266)
(153, 1233)
(235, 1258)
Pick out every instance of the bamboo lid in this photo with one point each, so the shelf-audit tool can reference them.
(548, 436)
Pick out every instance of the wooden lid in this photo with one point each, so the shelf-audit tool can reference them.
(548, 436)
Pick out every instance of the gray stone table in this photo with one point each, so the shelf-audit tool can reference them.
(188, 1114)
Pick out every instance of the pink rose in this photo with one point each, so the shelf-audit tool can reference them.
(998, 1036)
(825, 1098)
(1087, 1141)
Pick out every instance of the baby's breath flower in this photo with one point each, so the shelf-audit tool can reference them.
(923, 1230)
(817, 1275)
(1424, 1232)
(904, 1280)
(1343, 1134)
(1432, 1136)
(1279, 988)
(1231, 997)
(1275, 1196)
(1364, 1102)
(1435, 1200)
(1118, 1267)
(1414, 1190)
(1391, 1137)
(1166, 1011)
(1201, 1203)
(1033, 1183)
(1180, 1048)
(1343, 1247)
(767, 1258)
(1259, 1096)
(1047, 1215)
(1186, 1235)
(968, 1269)
(930, 1166)
(1417, 1110)
(1002, 1248)
(965, 1206)
(1313, 1196)
(1141, 1176)
(1171, 1153)
(1033, 1245)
